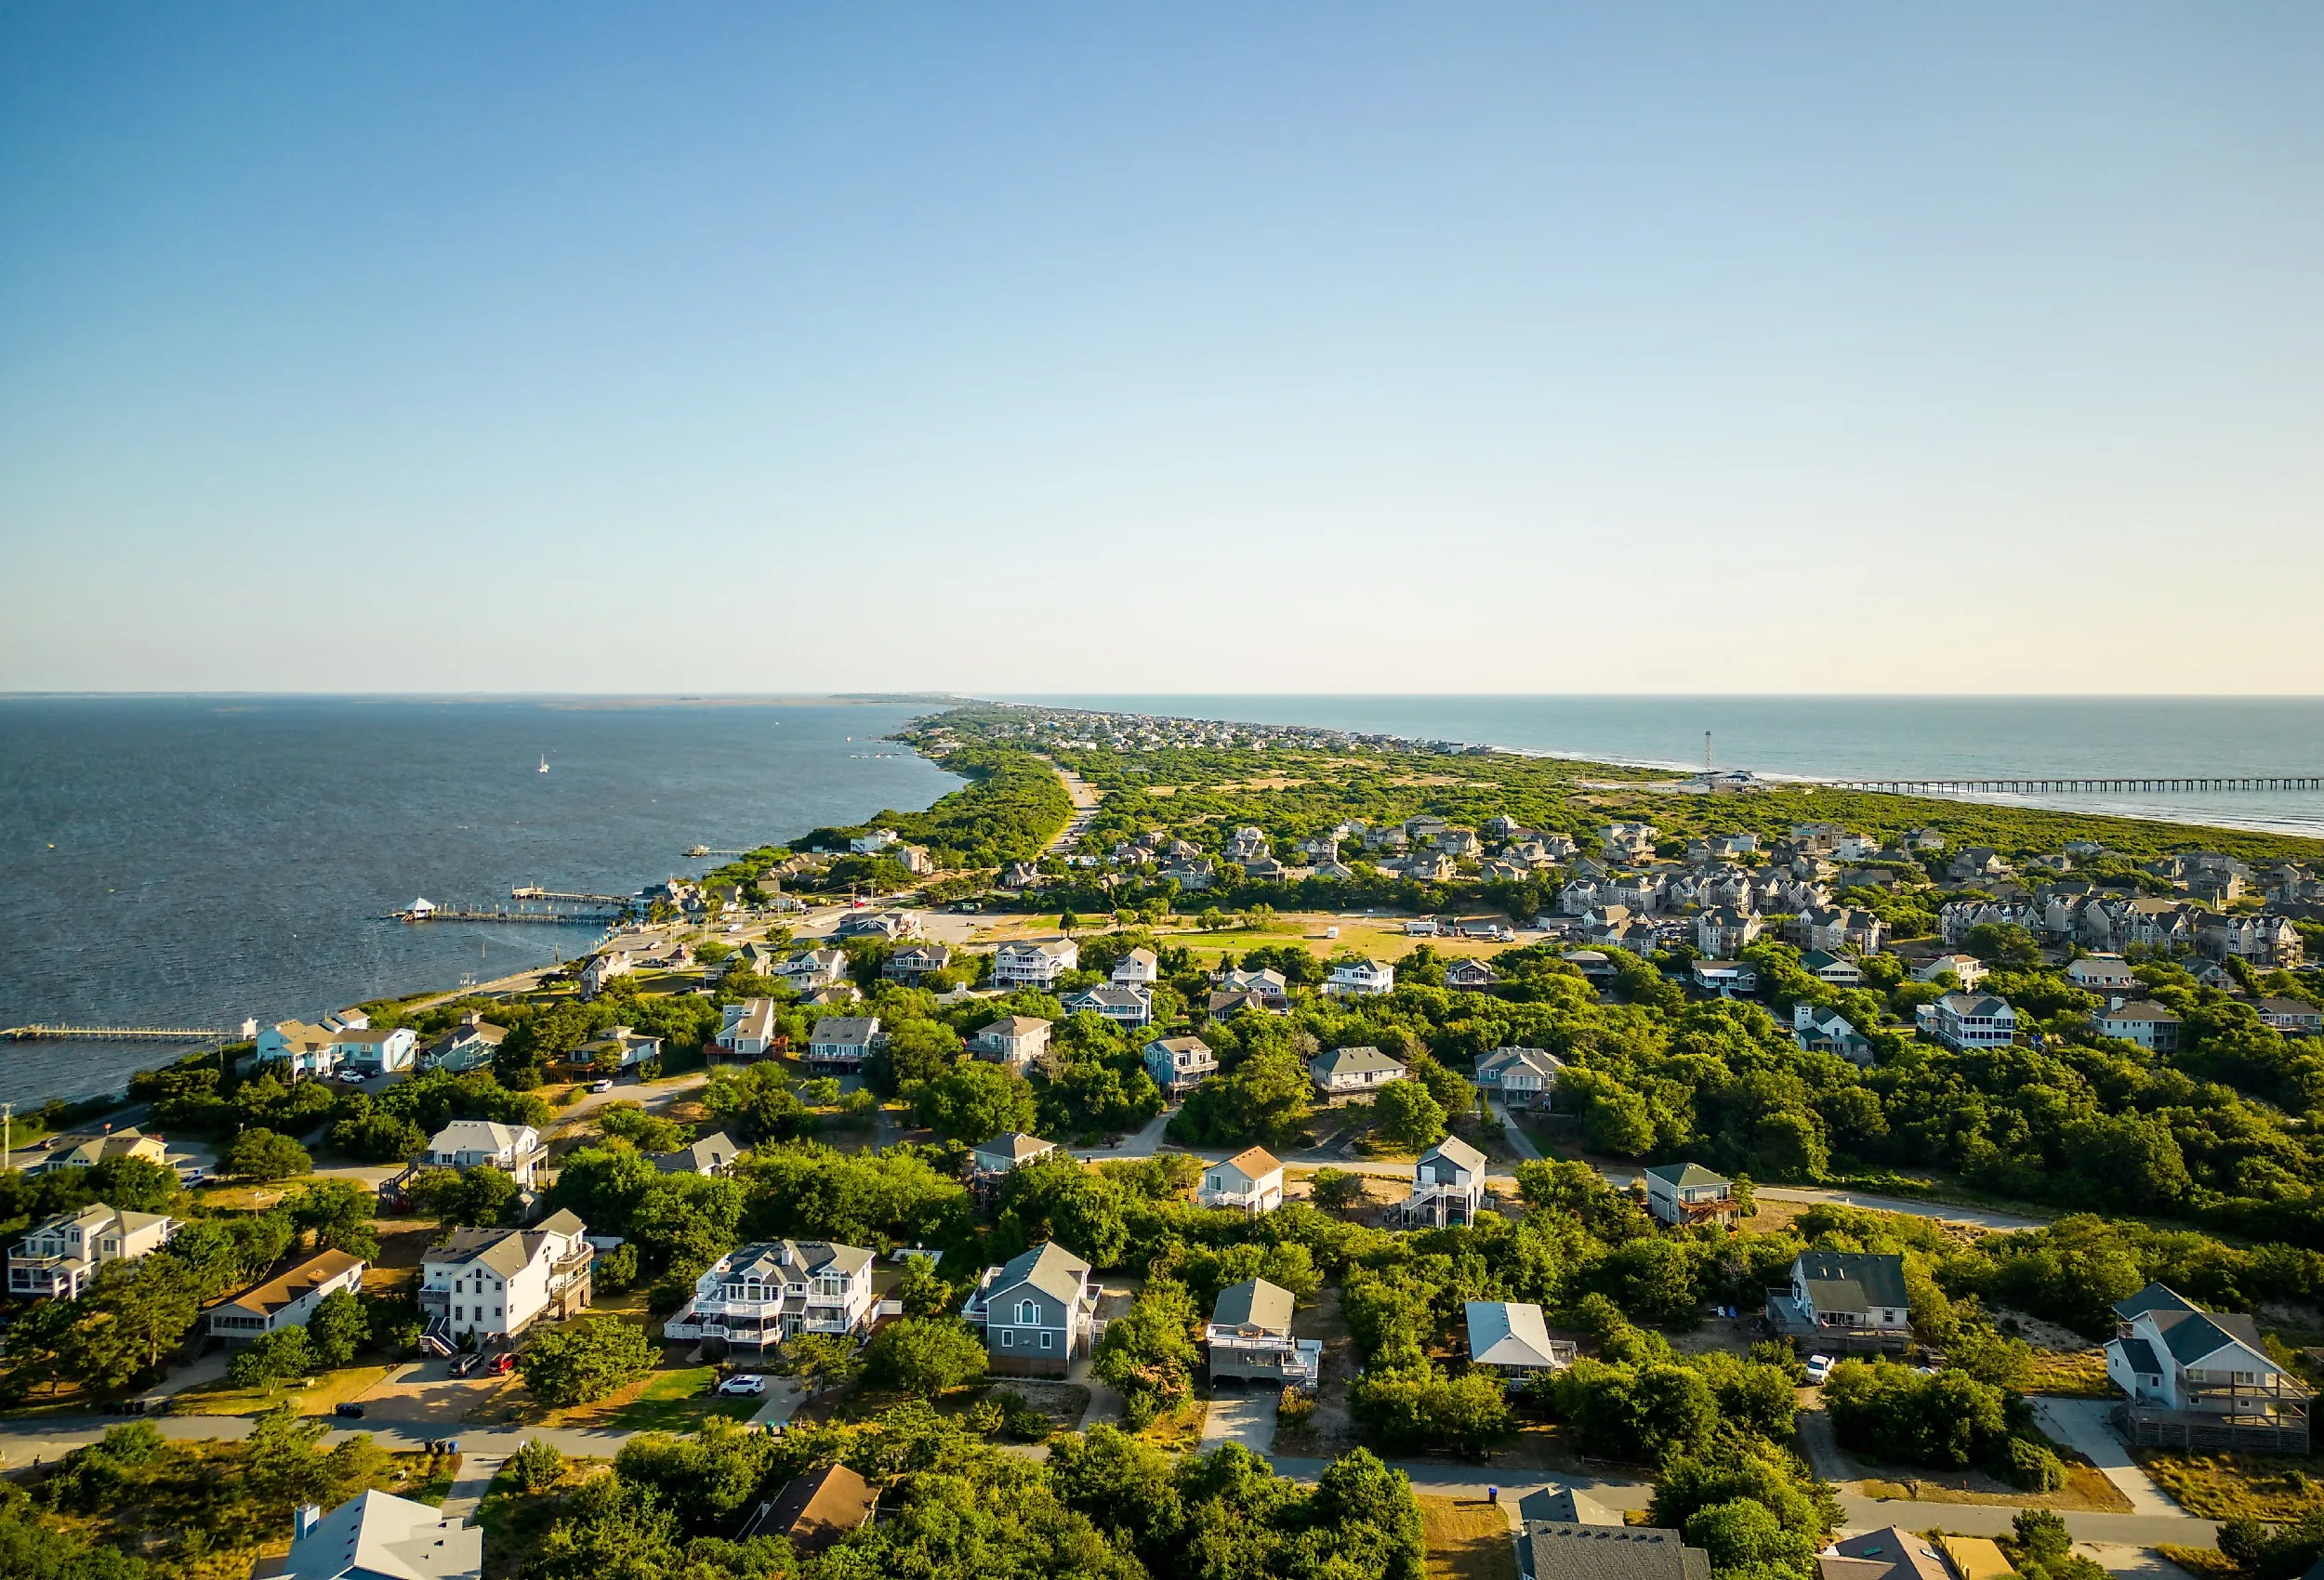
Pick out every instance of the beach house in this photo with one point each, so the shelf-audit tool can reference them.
(1036, 1311)
(58, 1256)
(765, 1293)
(1250, 1181)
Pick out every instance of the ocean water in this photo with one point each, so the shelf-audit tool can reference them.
(1862, 738)
(194, 860)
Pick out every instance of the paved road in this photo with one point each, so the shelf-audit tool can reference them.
(21, 1441)
(1993, 1519)
(1084, 801)
(49, 1437)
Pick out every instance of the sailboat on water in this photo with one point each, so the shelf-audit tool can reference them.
(544, 762)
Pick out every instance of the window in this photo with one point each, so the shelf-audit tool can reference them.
(1007, 1339)
(496, 1311)
(1045, 1337)
(459, 1314)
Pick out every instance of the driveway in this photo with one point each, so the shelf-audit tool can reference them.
(2080, 1423)
(1248, 1418)
(1519, 1142)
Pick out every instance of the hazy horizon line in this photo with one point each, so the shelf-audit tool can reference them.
(803, 698)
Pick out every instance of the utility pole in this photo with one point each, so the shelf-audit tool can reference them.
(1706, 751)
(8, 1132)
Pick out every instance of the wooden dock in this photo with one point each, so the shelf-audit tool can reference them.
(501, 914)
(117, 1033)
(568, 897)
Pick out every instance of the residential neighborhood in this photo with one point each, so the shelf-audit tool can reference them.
(778, 1141)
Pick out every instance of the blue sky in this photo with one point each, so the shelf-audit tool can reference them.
(1193, 348)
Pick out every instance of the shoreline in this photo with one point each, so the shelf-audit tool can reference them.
(436, 992)
(2311, 827)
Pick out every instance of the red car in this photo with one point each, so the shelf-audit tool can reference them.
(502, 1364)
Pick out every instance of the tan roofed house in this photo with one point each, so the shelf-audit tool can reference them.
(497, 1283)
(816, 1509)
(1250, 1181)
(287, 1300)
(1013, 1040)
(515, 1150)
(60, 1255)
(82, 1148)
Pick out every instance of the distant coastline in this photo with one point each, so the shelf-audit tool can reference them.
(1819, 740)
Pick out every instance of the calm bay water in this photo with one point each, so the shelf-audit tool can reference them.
(1862, 737)
(194, 860)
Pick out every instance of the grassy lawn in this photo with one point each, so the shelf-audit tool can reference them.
(2237, 1486)
(330, 1388)
(2080, 1374)
(678, 1402)
(1467, 1541)
(2087, 1490)
(2204, 1563)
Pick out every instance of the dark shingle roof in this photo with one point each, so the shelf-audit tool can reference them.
(1558, 1551)
(1853, 1280)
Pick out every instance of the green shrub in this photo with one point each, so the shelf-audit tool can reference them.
(2031, 1466)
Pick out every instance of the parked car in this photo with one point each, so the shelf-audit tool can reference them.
(348, 1409)
(502, 1364)
(743, 1384)
(1819, 1368)
(466, 1364)
(604, 1084)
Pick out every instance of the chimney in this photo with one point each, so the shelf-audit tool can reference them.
(307, 1515)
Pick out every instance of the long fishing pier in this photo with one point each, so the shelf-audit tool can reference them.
(116, 1034)
(501, 914)
(2138, 784)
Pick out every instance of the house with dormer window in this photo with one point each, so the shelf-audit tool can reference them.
(60, 1255)
(1037, 1312)
(1522, 1077)
(763, 1293)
